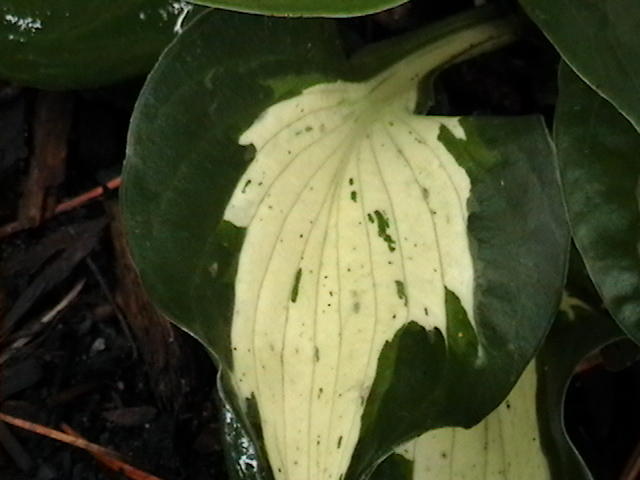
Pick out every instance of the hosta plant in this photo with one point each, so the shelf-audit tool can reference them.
(373, 273)
(359, 268)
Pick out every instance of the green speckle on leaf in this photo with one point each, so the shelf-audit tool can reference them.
(246, 184)
(402, 294)
(383, 227)
(296, 286)
(354, 196)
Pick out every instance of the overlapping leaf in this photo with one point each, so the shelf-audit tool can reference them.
(524, 437)
(600, 42)
(598, 161)
(305, 8)
(70, 44)
(342, 256)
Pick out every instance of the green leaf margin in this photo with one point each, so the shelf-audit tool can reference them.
(172, 213)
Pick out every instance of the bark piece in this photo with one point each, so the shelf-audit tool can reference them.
(156, 339)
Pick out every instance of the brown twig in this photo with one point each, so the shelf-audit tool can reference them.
(88, 196)
(66, 206)
(106, 456)
(113, 463)
(56, 435)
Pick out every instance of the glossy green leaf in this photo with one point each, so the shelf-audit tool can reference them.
(305, 8)
(524, 438)
(375, 256)
(70, 44)
(599, 39)
(598, 161)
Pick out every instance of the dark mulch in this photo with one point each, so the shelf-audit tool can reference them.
(83, 366)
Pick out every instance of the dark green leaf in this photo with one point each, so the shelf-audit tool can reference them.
(598, 160)
(599, 39)
(305, 8)
(466, 270)
(68, 44)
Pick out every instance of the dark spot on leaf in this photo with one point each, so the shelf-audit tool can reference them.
(296, 286)
(400, 290)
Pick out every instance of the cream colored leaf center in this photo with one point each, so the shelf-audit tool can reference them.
(356, 219)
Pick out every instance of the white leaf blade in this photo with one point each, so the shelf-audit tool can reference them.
(357, 235)
(356, 225)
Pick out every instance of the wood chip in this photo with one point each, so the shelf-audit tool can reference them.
(48, 161)
(131, 416)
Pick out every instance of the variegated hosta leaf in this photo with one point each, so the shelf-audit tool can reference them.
(356, 221)
(505, 445)
(524, 437)
(370, 268)
(356, 218)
